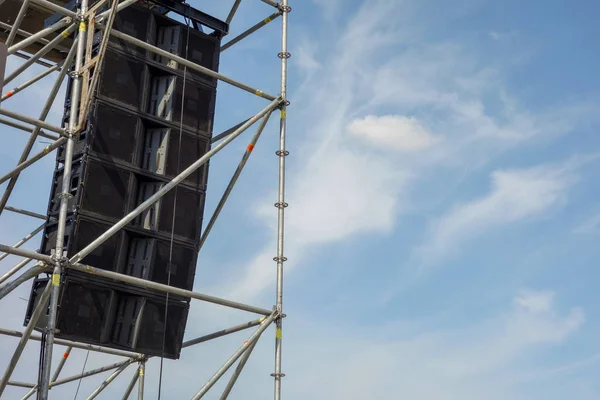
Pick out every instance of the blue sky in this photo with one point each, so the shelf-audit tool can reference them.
(443, 215)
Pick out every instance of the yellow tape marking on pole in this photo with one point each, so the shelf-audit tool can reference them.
(283, 114)
(259, 93)
(56, 279)
(82, 26)
(262, 319)
(267, 20)
(278, 333)
(65, 33)
(141, 371)
(46, 149)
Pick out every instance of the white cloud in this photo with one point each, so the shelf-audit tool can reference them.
(341, 194)
(493, 359)
(336, 192)
(344, 194)
(343, 188)
(340, 189)
(482, 360)
(305, 58)
(534, 318)
(394, 132)
(535, 301)
(515, 195)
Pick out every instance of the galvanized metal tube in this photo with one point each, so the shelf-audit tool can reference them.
(32, 121)
(233, 10)
(17, 23)
(57, 372)
(21, 32)
(41, 154)
(235, 356)
(52, 44)
(25, 253)
(141, 380)
(189, 64)
(25, 128)
(36, 131)
(131, 385)
(15, 269)
(227, 132)
(20, 384)
(30, 393)
(223, 332)
(238, 371)
(56, 8)
(64, 204)
(89, 373)
(271, 3)
(24, 240)
(121, 6)
(27, 275)
(114, 352)
(39, 35)
(61, 363)
(25, 212)
(41, 307)
(108, 380)
(281, 204)
(166, 188)
(30, 82)
(250, 31)
(38, 62)
(168, 289)
(233, 180)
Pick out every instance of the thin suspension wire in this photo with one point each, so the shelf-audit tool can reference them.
(187, 43)
(82, 371)
(42, 354)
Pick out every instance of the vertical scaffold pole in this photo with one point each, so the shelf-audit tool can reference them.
(281, 204)
(142, 372)
(59, 257)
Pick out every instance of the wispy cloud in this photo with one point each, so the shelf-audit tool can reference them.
(393, 132)
(341, 189)
(384, 81)
(515, 195)
(305, 56)
(481, 360)
(436, 103)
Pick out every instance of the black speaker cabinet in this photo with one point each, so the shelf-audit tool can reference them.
(202, 49)
(124, 80)
(81, 231)
(100, 313)
(157, 260)
(140, 325)
(141, 143)
(131, 251)
(144, 127)
(134, 21)
(166, 100)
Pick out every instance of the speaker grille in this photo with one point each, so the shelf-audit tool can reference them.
(133, 143)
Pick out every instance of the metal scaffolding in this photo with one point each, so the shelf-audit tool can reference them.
(83, 17)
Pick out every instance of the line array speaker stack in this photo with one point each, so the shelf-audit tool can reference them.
(145, 126)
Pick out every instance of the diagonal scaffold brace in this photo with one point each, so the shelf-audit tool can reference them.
(60, 261)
